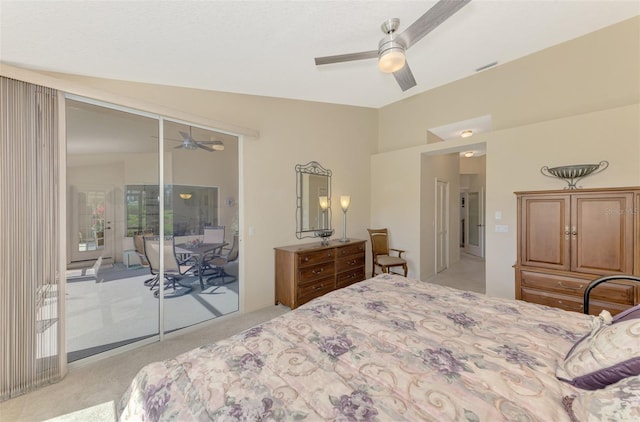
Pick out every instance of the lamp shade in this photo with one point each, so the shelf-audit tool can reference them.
(345, 201)
(324, 202)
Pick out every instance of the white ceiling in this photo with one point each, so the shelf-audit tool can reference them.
(267, 47)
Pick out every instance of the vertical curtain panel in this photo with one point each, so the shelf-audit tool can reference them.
(31, 282)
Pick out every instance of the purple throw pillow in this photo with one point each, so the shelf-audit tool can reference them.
(607, 355)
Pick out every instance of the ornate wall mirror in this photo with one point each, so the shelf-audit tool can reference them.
(313, 189)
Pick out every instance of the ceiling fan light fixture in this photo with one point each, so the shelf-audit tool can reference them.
(217, 145)
(392, 60)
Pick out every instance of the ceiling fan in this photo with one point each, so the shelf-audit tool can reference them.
(188, 142)
(392, 47)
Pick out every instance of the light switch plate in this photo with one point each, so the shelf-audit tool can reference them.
(502, 228)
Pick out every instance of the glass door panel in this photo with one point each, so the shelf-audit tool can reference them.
(201, 191)
(109, 301)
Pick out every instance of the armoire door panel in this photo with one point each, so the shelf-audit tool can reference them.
(545, 241)
(602, 233)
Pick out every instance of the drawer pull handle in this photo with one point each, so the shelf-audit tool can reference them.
(318, 287)
(566, 232)
(577, 308)
(561, 284)
(306, 258)
(317, 272)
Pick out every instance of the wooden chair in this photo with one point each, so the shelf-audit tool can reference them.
(380, 253)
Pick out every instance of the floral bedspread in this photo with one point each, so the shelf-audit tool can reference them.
(385, 349)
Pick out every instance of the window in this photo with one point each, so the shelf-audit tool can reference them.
(188, 209)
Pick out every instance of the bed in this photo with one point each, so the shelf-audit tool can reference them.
(387, 349)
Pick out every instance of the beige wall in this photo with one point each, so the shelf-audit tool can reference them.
(577, 102)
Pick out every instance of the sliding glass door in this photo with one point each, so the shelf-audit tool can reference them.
(141, 190)
(201, 179)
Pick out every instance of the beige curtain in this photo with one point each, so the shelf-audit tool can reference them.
(32, 351)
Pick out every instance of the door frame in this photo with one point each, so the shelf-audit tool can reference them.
(477, 250)
(441, 204)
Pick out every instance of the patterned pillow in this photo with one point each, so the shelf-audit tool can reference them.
(617, 402)
(611, 352)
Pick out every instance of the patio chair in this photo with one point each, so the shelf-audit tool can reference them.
(212, 235)
(173, 269)
(219, 262)
(138, 244)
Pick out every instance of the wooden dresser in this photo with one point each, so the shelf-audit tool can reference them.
(567, 238)
(304, 272)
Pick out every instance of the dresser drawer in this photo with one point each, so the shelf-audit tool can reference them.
(311, 273)
(309, 291)
(570, 303)
(347, 278)
(608, 292)
(345, 264)
(350, 250)
(311, 258)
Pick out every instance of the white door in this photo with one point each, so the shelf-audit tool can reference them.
(475, 225)
(442, 225)
(91, 223)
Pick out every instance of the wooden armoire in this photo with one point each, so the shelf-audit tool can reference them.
(567, 238)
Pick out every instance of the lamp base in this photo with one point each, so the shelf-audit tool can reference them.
(344, 240)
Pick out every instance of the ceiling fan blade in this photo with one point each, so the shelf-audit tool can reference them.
(405, 78)
(204, 147)
(430, 20)
(346, 57)
(185, 135)
(179, 146)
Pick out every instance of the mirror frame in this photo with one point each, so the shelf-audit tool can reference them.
(311, 168)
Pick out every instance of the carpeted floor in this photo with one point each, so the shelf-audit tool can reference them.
(92, 390)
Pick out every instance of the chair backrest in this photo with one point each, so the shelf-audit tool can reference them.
(152, 253)
(138, 243)
(379, 242)
(213, 234)
(233, 252)
(230, 256)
